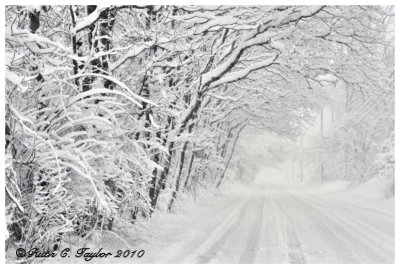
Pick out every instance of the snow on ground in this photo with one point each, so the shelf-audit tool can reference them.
(271, 221)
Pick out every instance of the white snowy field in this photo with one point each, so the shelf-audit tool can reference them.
(270, 222)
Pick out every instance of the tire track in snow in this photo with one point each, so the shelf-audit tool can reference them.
(270, 244)
(369, 239)
(351, 218)
(211, 252)
(320, 229)
(378, 223)
(202, 239)
(295, 252)
(350, 236)
(252, 244)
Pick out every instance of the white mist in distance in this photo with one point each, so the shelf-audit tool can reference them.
(263, 157)
(270, 176)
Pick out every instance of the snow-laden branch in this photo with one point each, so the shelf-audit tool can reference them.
(133, 52)
(88, 20)
(15, 200)
(225, 67)
(91, 92)
(119, 83)
(18, 80)
(24, 36)
(239, 75)
(226, 98)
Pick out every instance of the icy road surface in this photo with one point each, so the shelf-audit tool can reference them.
(278, 224)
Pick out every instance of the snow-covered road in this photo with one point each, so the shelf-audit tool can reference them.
(278, 224)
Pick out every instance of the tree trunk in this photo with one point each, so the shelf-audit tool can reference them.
(189, 170)
(230, 155)
(178, 178)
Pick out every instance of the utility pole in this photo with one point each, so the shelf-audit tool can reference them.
(294, 168)
(322, 143)
(301, 159)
